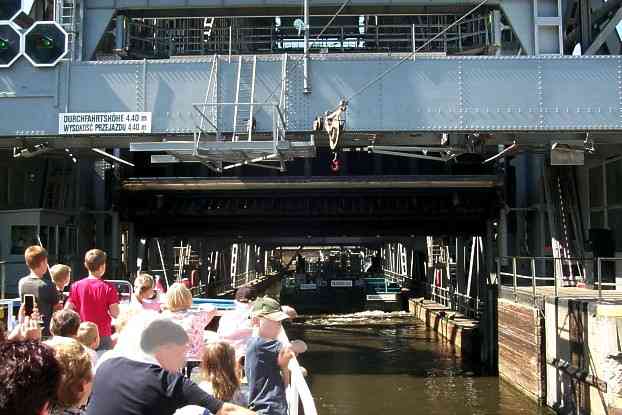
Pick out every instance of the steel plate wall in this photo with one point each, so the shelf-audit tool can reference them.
(429, 94)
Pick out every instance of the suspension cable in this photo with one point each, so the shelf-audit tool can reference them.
(326, 26)
(332, 19)
(410, 55)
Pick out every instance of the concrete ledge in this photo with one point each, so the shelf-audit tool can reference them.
(461, 332)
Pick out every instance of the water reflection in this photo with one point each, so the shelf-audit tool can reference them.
(388, 363)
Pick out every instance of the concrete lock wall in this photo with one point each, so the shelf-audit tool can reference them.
(583, 366)
(603, 346)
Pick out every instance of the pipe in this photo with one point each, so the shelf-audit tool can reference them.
(306, 86)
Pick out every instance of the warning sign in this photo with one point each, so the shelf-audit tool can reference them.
(104, 123)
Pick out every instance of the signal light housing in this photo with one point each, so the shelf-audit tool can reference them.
(45, 44)
(9, 8)
(9, 44)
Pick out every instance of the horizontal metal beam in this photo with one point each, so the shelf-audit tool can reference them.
(189, 5)
(313, 183)
(452, 94)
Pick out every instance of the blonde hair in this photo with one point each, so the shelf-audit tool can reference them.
(76, 370)
(124, 317)
(144, 282)
(60, 273)
(178, 297)
(94, 259)
(218, 367)
(34, 256)
(88, 334)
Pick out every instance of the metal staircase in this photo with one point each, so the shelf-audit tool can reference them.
(243, 116)
(564, 225)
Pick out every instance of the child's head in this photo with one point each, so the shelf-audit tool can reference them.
(245, 294)
(178, 297)
(88, 335)
(95, 262)
(75, 386)
(144, 286)
(61, 275)
(218, 367)
(65, 323)
(267, 316)
(36, 259)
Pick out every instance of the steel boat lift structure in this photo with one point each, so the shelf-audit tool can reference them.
(261, 109)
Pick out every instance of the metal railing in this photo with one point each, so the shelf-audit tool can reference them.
(524, 275)
(457, 301)
(599, 274)
(162, 38)
(8, 312)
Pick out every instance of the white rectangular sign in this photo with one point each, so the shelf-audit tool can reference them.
(341, 283)
(71, 123)
(381, 297)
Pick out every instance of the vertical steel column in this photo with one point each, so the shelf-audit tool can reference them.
(305, 77)
(248, 260)
(234, 263)
(3, 280)
(414, 41)
(557, 261)
(600, 282)
(230, 35)
(533, 280)
(514, 282)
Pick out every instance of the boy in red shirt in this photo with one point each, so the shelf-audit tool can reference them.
(94, 299)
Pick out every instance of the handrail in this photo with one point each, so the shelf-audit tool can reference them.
(443, 295)
(161, 40)
(298, 388)
(560, 264)
(599, 277)
(10, 303)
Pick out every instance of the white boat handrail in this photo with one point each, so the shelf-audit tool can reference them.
(9, 319)
(298, 388)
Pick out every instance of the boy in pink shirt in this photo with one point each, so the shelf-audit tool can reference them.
(94, 299)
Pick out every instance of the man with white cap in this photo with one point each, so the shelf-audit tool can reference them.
(143, 376)
(267, 359)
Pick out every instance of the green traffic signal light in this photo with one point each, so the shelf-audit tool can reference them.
(4, 44)
(45, 42)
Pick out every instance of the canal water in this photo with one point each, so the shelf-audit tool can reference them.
(389, 363)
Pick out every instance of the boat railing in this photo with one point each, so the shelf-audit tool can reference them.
(8, 312)
(298, 392)
(124, 288)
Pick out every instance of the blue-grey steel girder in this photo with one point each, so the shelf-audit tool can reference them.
(495, 94)
(193, 4)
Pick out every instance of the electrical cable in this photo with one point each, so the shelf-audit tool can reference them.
(410, 55)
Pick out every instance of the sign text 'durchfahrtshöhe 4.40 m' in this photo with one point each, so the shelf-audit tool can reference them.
(104, 123)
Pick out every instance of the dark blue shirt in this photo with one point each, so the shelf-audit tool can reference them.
(127, 387)
(265, 384)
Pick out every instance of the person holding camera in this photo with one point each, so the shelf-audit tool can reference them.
(36, 292)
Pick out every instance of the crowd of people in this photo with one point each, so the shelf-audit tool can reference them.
(86, 354)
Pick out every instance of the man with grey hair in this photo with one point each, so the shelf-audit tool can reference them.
(145, 378)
